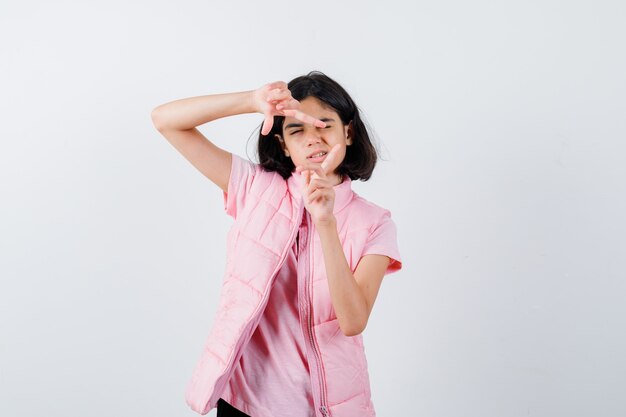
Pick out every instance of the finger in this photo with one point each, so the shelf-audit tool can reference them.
(317, 194)
(319, 123)
(277, 95)
(292, 104)
(330, 158)
(267, 124)
(302, 181)
(276, 84)
(303, 117)
(318, 184)
(305, 179)
(316, 168)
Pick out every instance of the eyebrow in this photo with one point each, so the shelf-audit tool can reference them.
(292, 125)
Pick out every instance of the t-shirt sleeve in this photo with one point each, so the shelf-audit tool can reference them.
(383, 241)
(242, 173)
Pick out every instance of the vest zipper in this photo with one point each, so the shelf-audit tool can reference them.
(219, 388)
(308, 298)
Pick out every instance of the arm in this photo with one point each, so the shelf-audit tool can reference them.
(352, 296)
(177, 121)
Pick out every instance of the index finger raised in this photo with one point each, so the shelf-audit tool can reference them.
(303, 117)
(330, 158)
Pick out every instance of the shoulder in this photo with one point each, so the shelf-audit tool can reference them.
(244, 166)
(252, 172)
(371, 231)
(366, 210)
(249, 184)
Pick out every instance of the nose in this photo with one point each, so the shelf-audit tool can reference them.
(312, 137)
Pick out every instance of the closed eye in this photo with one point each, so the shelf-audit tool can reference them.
(300, 130)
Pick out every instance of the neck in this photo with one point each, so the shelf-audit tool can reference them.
(336, 179)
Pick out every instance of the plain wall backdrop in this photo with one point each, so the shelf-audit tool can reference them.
(502, 131)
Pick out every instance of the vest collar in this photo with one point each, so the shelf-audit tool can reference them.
(343, 191)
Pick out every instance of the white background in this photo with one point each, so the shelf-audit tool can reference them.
(502, 130)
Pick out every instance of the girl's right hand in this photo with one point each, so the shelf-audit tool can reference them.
(274, 99)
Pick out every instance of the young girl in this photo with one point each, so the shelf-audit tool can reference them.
(305, 255)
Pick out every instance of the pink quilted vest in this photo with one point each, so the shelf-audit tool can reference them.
(268, 212)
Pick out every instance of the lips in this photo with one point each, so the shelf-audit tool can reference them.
(317, 154)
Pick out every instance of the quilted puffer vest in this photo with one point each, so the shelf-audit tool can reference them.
(257, 244)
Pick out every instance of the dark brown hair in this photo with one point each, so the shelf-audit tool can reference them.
(361, 156)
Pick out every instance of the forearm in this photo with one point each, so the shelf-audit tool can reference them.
(190, 112)
(346, 295)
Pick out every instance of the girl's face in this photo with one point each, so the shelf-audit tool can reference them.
(304, 142)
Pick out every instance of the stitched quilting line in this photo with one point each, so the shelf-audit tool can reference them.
(215, 355)
(258, 243)
(324, 322)
(348, 399)
(235, 277)
(276, 213)
(263, 197)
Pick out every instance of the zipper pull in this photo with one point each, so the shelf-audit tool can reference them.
(324, 411)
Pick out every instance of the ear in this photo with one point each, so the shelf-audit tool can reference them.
(349, 132)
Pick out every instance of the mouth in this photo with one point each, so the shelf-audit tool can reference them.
(317, 155)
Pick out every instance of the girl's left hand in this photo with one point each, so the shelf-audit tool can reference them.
(317, 190)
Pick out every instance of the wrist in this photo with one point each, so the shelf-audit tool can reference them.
(252, 102)
(327, 224)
